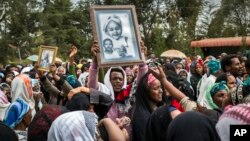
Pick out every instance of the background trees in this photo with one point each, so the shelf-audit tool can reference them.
(164, 24)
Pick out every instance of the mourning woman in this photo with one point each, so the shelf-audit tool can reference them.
(18, 117)
(150, 96)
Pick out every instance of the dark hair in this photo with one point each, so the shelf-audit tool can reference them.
(222, 77)
(227, 61)
(87, 65)
(180, 64)
(142, 94)
(79, 101)
(9, 67)
(107, 39)
(39, 126)
(4, 85)
(7, 133)
(170, 66)
(116, 70)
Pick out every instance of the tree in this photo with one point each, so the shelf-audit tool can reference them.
(19, 24)
(62, 25)
(232, 19)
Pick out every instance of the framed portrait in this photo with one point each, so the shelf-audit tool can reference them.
(47, 55)
(116, 30)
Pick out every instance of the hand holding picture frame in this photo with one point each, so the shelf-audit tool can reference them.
(116, 30)
(47, 55)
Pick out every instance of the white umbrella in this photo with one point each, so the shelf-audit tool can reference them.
(173, 54)
(33, 58)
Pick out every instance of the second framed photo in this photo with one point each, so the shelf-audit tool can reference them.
(116, 30)
(47, 55)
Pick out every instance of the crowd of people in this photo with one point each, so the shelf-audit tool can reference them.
(161, 100)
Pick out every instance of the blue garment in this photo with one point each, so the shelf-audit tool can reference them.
(16, 112)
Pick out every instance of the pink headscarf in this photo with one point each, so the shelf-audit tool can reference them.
(151, 79)
(4, 104)
(3, 98)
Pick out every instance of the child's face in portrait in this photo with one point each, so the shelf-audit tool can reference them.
(108, 44)
(114, 30)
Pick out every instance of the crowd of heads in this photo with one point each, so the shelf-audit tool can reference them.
(39, 104)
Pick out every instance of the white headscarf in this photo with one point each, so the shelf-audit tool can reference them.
(74, 126)
(108, 83)
(21, 87)
(82, 78)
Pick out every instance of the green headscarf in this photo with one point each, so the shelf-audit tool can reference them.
(211, 91)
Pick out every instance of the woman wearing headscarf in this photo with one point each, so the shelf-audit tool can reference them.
(5, 88)
(184, 85)
(4, 104)
(150, 95)
(18, 117)
(82, 126)
(192, 126)
(208, 79)
(21, 88)
(233, 115)
(215, 96)
(185, 102)
(173, 78)
(196, 69)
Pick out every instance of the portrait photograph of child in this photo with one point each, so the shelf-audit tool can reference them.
(116, 31)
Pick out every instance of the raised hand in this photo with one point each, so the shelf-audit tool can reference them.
(158, 73)
(82, 89)
(73, 52)
(72, 93)
(122, 122)
(95, 50)
(40, 72)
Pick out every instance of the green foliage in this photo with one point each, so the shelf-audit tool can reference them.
(158, 44)
(164, 24)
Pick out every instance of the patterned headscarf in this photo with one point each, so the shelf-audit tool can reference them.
(218, 87)
(232, 115)
(240, 112)
(74, 126)
(16, 112)
(241, 94)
